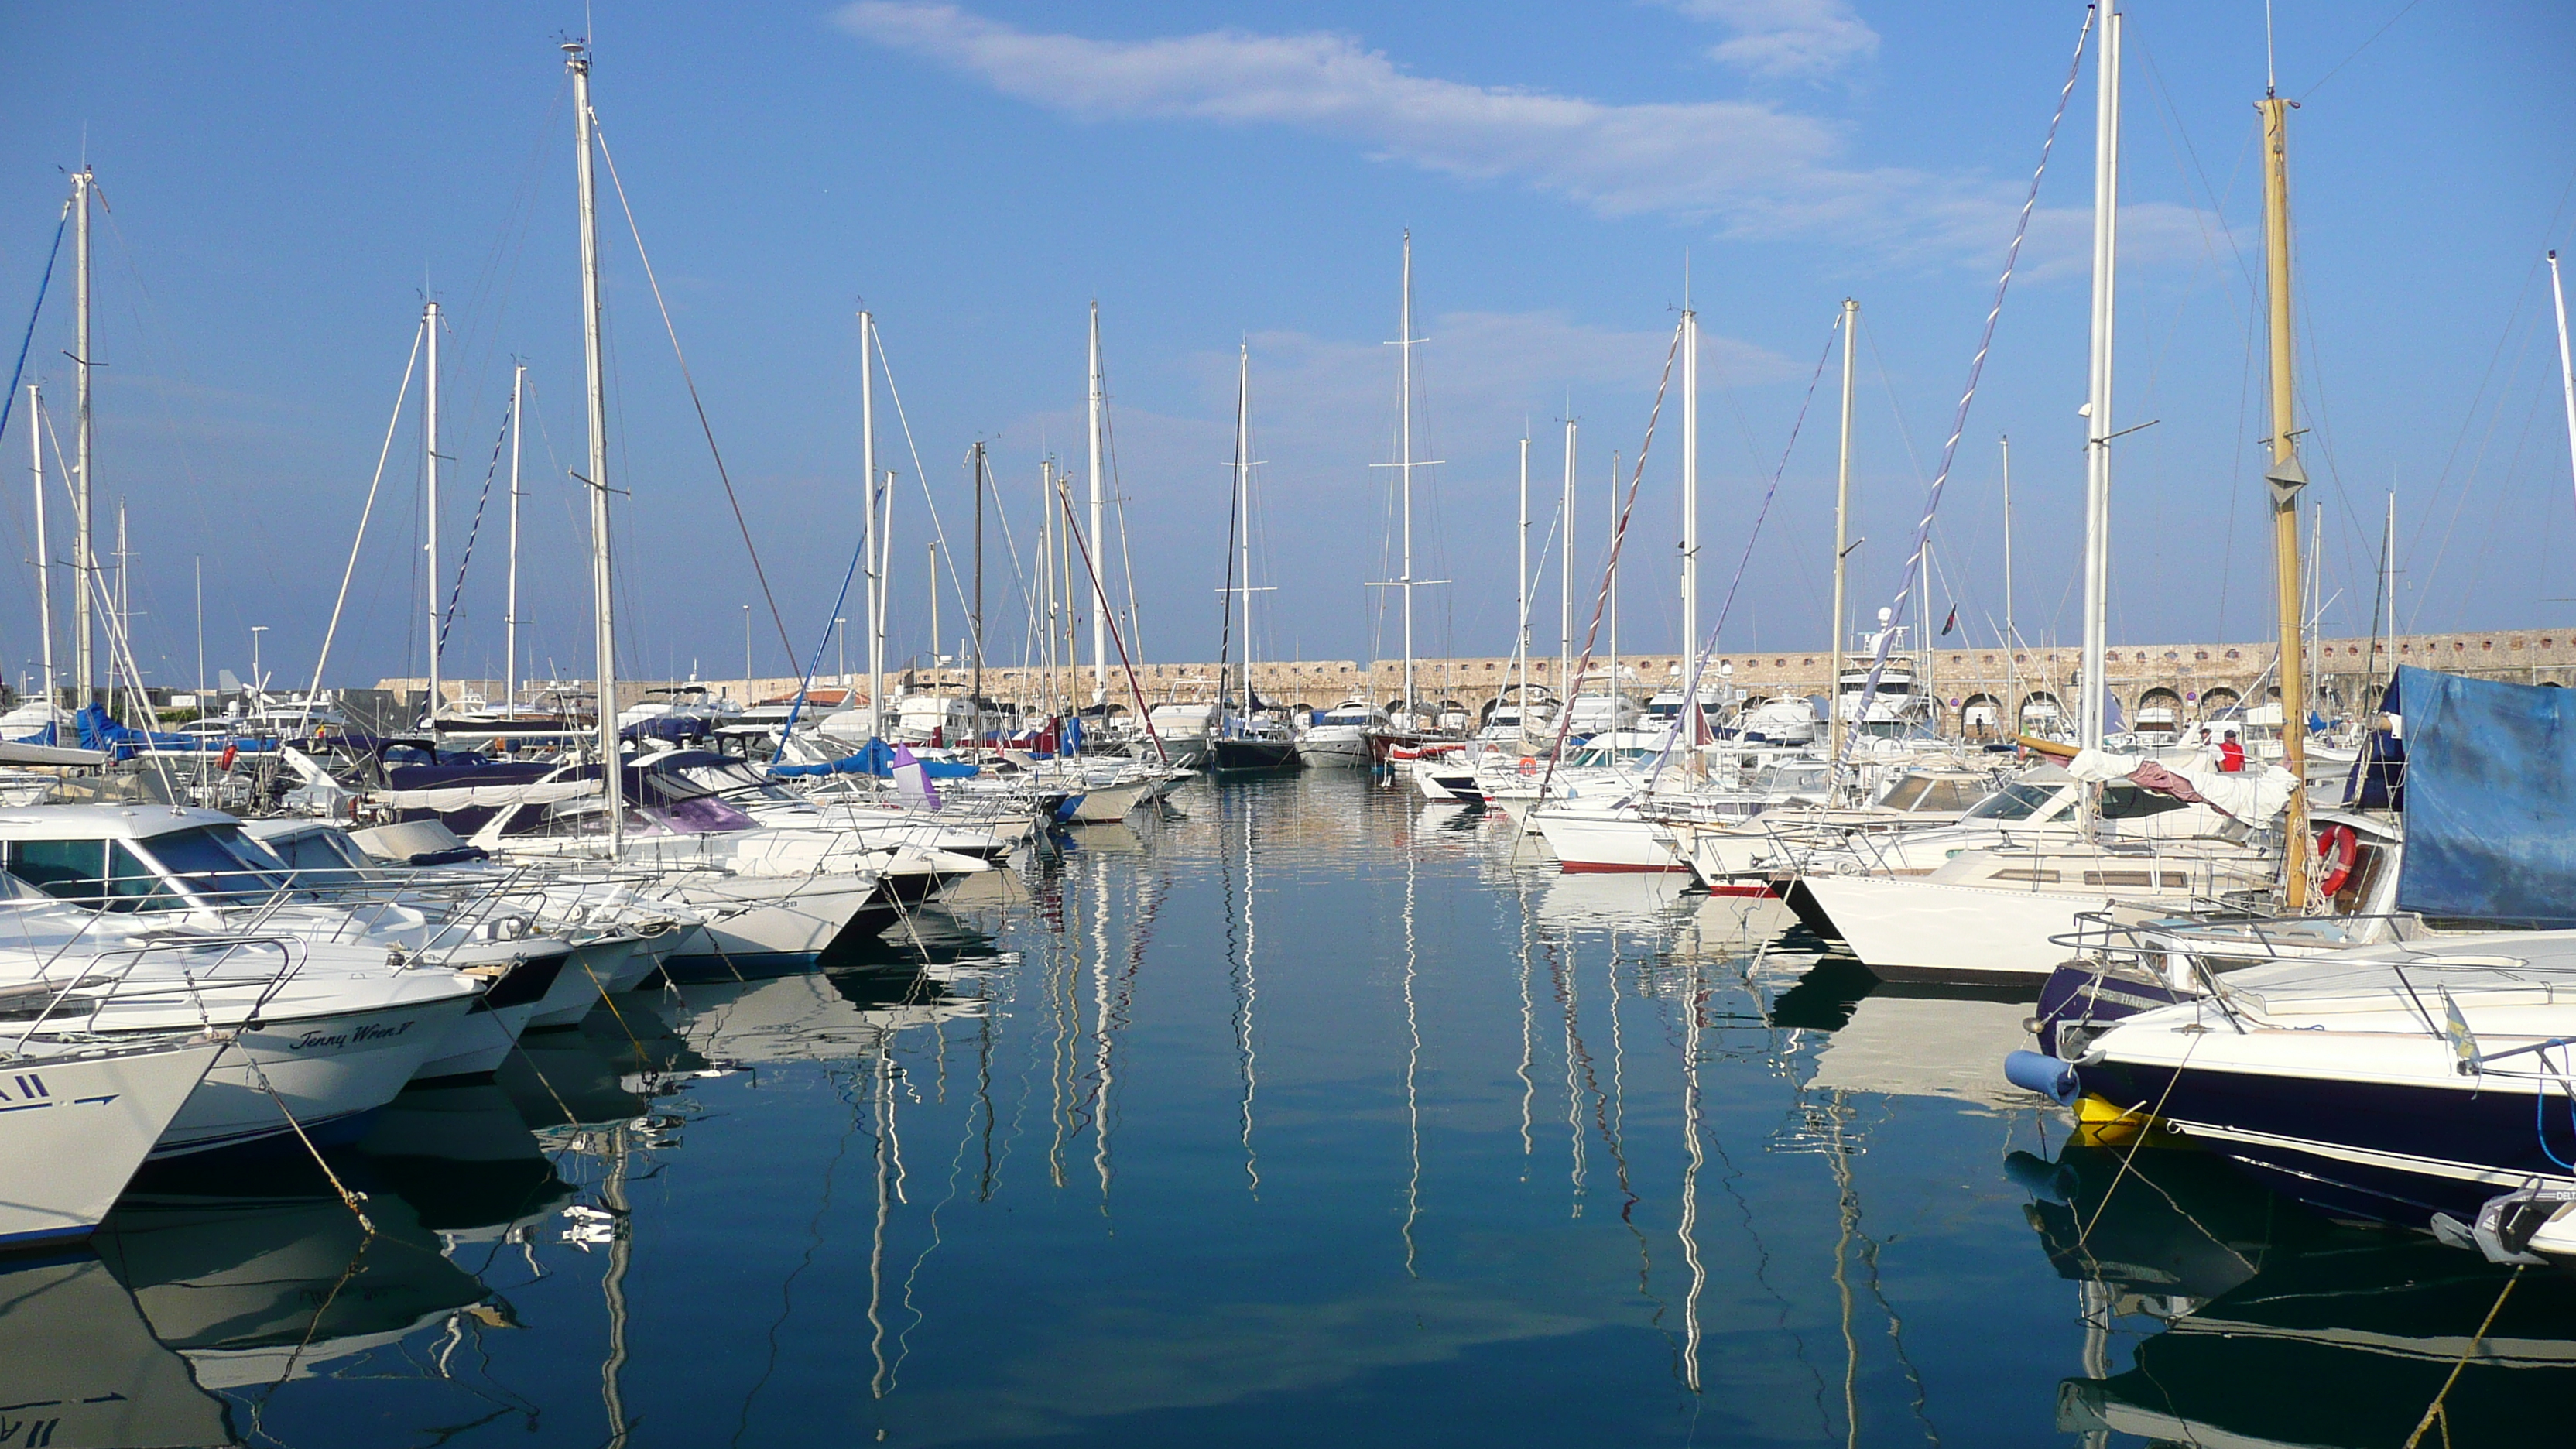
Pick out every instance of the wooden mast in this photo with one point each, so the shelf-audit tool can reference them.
(2285, 479)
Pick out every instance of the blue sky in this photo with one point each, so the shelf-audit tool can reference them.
(287, 182)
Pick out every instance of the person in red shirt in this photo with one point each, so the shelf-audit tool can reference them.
(2231, 755)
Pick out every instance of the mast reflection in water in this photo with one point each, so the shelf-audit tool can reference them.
(1308, 1114)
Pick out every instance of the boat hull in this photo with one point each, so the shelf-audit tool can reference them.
(328, 1069)
(76, 1128)
(1247, 757)
(1911, 929)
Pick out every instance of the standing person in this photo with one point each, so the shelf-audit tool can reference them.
(2231, 755)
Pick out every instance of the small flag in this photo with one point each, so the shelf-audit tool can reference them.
(1950, 623)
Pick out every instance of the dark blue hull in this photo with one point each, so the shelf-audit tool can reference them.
(2380, 1151)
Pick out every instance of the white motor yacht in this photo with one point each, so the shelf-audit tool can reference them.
(78, 1118)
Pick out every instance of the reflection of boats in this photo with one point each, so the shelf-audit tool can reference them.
(80, 1368)
(1918, 1042)
(2178, 1227)
(2348, 1348)
(463, 1158)
(817, 1014)
(1635, 901)
(596, 1072)
(257, 1290)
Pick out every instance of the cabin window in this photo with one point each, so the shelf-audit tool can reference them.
(203, 859)
(71, 870)
(2017, 801)
(133, 885)
(2040, 877)
(2128, 802)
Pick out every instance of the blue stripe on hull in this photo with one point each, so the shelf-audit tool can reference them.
(2318, 1127)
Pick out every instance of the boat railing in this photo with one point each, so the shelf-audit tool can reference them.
(107, 977)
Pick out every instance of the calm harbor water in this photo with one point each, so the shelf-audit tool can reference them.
(1311, 1116)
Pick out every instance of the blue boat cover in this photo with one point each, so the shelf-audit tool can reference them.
(2490, 800)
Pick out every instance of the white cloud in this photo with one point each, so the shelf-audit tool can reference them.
(1749, 166)
(1795, 39)
(1732, 158)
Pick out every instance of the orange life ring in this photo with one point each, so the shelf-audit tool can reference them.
(2339, 847)
(1529, 765)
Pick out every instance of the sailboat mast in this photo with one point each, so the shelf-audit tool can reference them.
(1565, 581)
(1520, 592)
(429, 475)
(1842, 544)
(2010, 723)
(2388, 571)
(1243, 534)
(870, 543)
(1690, 492)
(1404, 385)
(2097, 408)
(595, 393)
(84, 459)
(510, 626)
(1048, 658)
(975, 692)
(1099, 610)
(44, 553)
(2566, 370)
(2285, 478)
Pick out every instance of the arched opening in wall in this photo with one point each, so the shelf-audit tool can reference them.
(2216, 702)
(2160, 711)
(2041, 712)
(1981, 717)
(2272, 694)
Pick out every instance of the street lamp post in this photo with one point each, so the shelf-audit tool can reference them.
(841, 646)
(746, 654)
(258, 682)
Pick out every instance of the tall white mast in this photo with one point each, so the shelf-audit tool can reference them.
(84, 459)
(595, 391)
(44, 553)
(1565, 582)
(2010, 722)
(2097, 408)
(2388, 571)
(1099, 613)
(2566, 370)
(1520, 592)
(510, 626)
(875, 543)
(1842, 543)
(1243, 513)
(429, 465)
(1404, 380)
(1690, 491)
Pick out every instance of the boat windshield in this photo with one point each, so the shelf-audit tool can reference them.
(213, 860)
(2017, 801)
(735, 782)
(1931, 792)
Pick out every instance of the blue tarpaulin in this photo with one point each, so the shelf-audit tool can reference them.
(2490, 800)
(876, 758)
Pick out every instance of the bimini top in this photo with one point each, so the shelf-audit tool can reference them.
(104, 822)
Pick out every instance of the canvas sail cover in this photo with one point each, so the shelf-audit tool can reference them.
(2490, 801)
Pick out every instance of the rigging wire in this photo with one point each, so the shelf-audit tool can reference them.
(704, 426)
(1968, 395)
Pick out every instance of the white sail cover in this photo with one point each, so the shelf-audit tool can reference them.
(2251, 796)
(473, 797)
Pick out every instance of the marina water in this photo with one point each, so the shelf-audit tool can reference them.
(1307, 1113)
